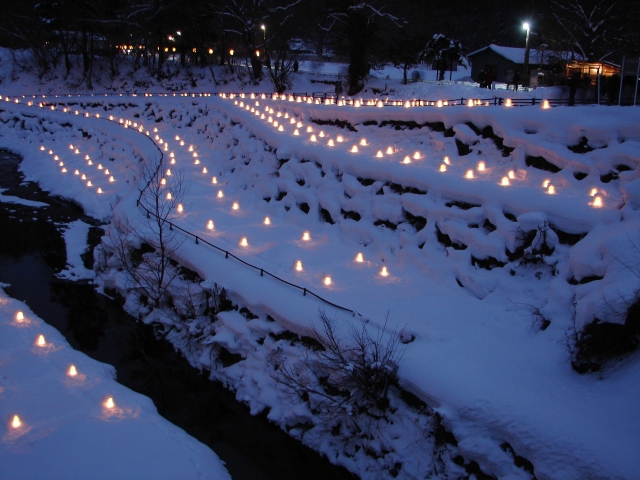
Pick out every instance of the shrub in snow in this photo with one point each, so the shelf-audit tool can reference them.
(344, 381)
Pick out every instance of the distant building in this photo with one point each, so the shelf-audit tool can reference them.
(505, 61)
(591, 69)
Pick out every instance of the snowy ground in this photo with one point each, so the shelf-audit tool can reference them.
(59, 425)
(438, 226)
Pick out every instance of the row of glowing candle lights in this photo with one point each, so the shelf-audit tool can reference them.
(72, 372)
(313, 138)
(83, 176)
(328, 101)
(235, 206)
(505, 181)
(373, 103)
(306, 236)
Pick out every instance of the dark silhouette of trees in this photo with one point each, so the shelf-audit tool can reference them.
(363, 33)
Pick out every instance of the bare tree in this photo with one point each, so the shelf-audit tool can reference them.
(592, 28)
(280, 62)
(357, 25)
(144, 249)
(246, 19)
(344, 380)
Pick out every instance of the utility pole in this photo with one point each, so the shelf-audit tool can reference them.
(526, 78)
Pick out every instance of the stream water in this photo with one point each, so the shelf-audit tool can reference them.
(32, 250)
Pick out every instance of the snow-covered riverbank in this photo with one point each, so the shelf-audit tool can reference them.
(58, 421)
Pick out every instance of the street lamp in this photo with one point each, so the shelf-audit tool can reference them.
(527, 27)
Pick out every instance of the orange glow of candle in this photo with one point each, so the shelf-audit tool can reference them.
(359, 258)
(15, 423)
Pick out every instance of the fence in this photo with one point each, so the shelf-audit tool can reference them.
(322, 97)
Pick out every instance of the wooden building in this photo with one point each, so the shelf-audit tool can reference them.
(505, 61)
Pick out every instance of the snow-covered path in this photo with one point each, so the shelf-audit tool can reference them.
(475, 353)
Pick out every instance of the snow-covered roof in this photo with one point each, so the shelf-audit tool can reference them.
(516, 55)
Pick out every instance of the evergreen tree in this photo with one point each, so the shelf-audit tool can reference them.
(444, 52)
